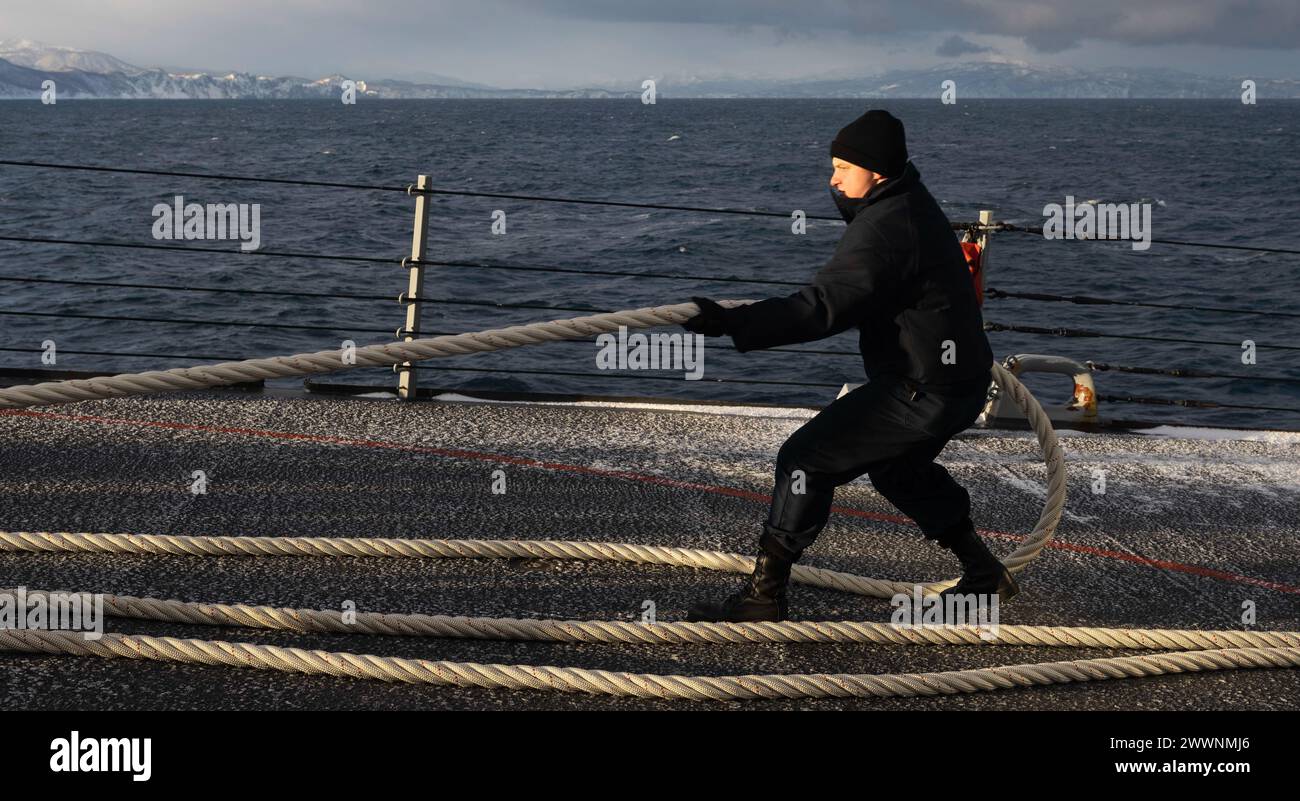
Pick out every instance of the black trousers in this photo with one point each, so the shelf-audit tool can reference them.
(887, 430)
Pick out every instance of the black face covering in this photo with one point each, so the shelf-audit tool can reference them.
(848, 206)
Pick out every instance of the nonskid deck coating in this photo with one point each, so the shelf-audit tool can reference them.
(1188, 530)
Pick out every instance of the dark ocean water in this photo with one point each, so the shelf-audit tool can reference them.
(1214, 171)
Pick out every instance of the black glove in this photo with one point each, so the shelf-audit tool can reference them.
(711, 321)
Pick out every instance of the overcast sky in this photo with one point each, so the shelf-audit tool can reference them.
(564, 43)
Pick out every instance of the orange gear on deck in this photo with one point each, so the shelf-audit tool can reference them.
(973, 256)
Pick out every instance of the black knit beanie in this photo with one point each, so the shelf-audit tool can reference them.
(873, 141)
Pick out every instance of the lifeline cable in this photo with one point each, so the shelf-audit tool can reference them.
(1183, 372)
(411, 189)
(1024, 229)
(295, 294)
(1091, 300)
(406, 262)
(1081, 332)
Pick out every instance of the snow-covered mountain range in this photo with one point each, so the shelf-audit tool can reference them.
(990, 79)
(25, 66)
(77, 74)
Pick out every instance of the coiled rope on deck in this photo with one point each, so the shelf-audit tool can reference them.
(1243, 649)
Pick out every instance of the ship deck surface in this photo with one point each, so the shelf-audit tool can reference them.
(1189, 529)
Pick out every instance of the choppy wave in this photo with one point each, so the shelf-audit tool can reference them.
(1013, 157)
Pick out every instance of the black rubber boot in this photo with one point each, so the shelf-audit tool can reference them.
(763, 596)
(982, 572)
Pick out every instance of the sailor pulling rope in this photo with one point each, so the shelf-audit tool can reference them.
(900, 276)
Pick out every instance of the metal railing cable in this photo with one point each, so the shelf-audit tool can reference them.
(204, 176)
(24, 279)
(696, 279)
(1184, 372)
(406, 262)
(1191, 403)
(213, 323)
(1088, 300)
(413, 190)
(124, 354)
(192, 249)
(1023, 229)
(410, 189)
(991, 292)
(328, 295)
(296, 294)
(1081, 332)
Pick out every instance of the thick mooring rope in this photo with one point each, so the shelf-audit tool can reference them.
(334, 621)
(640, 685)
(1204, 650)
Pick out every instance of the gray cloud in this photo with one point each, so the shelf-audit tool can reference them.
(551, 43)
(1045, 25)
(957, 46)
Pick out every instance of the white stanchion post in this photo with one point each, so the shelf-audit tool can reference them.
(406, 382)
(986, 219)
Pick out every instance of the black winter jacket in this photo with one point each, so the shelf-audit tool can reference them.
(900, 277)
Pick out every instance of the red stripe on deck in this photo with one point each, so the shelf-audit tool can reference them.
(524, 461)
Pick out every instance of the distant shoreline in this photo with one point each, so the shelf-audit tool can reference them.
(662, 98)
